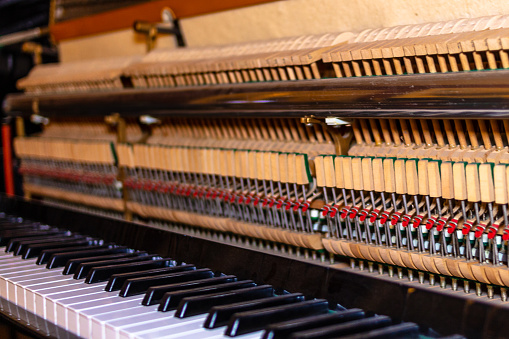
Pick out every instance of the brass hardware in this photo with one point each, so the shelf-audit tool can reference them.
(341, 133)
(35, 49)
(20, 127)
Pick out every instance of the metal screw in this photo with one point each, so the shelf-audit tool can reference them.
(391, 271)
(490, 292)
(478, 290)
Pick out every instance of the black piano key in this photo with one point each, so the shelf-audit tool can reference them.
(72, 264)
(285, 329)
(251, 321)
(155, 293)
(26, 226)
(23, 244)
(59, 259)
(190, 306)
(116, 281)
(34, 250)
(140, 285)
(171, 300)
(85, 267)
(24, 229)
(103, 273)
(401, 331)
(11, 219)
(13, 243)
(4, 238)
(220, 315)
(348, 328)
(23, 226)
(44, 255)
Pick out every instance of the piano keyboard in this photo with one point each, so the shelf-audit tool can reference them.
(94, 289)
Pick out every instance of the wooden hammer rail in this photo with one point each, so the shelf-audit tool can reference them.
(268, 134)
(72, 170)
(447, 218)
(448, 140)
(453, 46)
(264, 194)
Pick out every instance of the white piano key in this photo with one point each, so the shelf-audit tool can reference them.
(81, 296)
(86, 316)
(22, 288)
(8, 262)
(16, 266)
(30, 291)
(12, 282)
(2, 250)
(32, 274)
(9, 256)
(68, 310)
(47, 297)
(3, 253)
(122, 329)
(192, 328)
(187, 331)
(57, 293)
(254, 335)
(98, 322)
(26, 276)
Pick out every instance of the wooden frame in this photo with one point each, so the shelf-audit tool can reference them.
(150, 11)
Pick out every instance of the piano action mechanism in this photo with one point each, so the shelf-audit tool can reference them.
(386, 151)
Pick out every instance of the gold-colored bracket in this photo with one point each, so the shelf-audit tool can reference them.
(20, 127)
(35, 49)
(170, 25)
(341, 134)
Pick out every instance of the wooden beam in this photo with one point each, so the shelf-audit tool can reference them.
(150, 11)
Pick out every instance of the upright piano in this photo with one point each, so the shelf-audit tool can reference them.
(370, 170)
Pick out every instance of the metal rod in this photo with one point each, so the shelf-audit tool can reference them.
(22, 36)
(469, 95)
